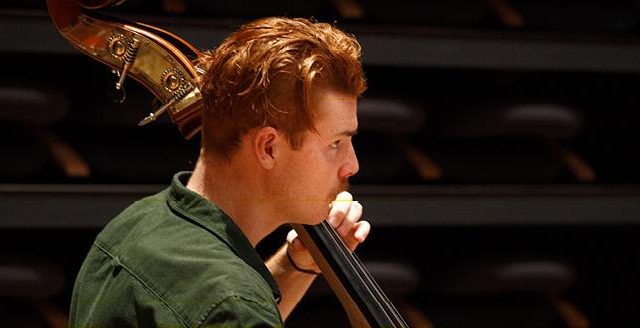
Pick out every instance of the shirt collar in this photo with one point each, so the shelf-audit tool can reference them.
(193, 206)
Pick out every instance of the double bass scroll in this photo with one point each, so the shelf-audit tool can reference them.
(165, 64)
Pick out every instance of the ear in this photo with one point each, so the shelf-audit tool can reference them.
(266, 146)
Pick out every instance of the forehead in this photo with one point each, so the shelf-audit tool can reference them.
(335, 110)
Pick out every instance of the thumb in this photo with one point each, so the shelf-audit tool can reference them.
(295, 244)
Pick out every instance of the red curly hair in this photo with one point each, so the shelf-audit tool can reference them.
(263, 74)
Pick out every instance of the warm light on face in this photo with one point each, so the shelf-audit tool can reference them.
(312, 175)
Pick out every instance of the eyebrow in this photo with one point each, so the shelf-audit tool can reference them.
(348, 133)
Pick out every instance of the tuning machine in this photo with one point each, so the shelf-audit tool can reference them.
(172, 79)
(182, 92)
(125, 50)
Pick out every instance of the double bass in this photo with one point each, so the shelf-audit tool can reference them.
(169, 68)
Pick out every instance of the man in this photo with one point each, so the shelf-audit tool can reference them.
(280, 111)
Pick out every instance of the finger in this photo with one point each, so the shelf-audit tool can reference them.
(354, 214)
(339, 208)
(295, 244)
(359, 233)
(291, 236)
(298, 252)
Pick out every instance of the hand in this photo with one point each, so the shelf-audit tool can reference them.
(344, 216)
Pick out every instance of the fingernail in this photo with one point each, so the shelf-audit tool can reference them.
(333, 221)
(344, 196)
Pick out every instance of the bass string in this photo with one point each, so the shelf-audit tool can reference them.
(392, 308)
(364, 276)
(344, 253)
(372, 286)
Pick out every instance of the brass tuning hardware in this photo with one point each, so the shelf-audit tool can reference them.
(181, 93)
(172, 79)
(162, 62)
(117, 47)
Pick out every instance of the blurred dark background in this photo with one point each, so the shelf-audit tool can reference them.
(498, 153)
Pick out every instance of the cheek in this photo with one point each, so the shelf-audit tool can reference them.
(326, 169)
(304, 174)
(316, 171)
(318, 177)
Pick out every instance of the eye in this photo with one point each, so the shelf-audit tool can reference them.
(335, 144)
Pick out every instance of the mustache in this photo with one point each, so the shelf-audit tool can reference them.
(342, 186)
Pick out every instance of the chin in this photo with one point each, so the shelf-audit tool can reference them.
(316, 221)
(312, 219)
(306, 222)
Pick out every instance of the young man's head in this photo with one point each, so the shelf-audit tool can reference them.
(287, 87)
(263, 75)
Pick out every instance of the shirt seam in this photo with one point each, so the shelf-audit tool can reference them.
(226, 298)
(174, 206)
(140, 280)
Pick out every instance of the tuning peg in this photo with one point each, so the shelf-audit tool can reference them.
(116, 95)
(182, 92)
(129, 57)
(152, 116)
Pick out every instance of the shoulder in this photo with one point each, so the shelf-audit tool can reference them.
(187, 267)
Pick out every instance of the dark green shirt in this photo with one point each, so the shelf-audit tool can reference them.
(173, 260)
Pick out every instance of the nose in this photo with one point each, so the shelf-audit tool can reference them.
(351, 166)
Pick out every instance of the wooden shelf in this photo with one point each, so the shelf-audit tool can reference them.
(32, 32)
(92, 206)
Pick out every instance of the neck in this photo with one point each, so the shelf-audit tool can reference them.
(236, 193)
